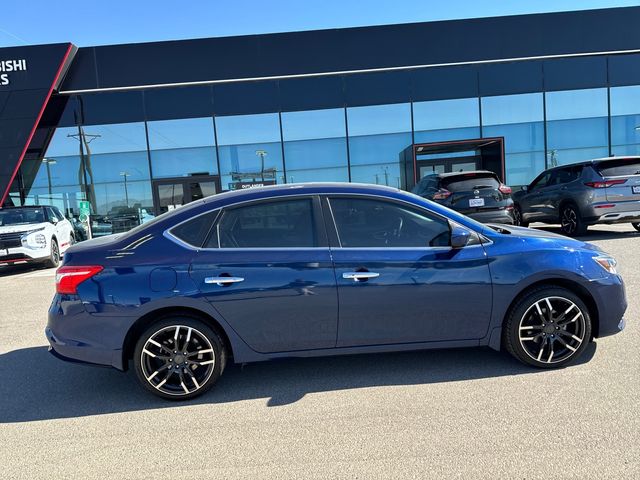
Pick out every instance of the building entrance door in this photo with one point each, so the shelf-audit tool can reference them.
(171, 193)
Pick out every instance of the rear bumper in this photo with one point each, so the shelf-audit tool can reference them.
(613, 212)
(492, 216)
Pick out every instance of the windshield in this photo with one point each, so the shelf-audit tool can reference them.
(21, 216)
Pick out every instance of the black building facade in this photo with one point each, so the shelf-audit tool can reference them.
(142, 128)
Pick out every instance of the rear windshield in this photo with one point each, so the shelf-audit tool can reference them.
(468, 181)
(619, 168)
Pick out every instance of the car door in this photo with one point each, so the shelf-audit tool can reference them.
(532, 203)
(266, 268)
(399, 281)
(61, 227)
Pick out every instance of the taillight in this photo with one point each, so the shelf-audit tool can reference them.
(606, 183)
(68, 278)
(442, 194)
(504, 189)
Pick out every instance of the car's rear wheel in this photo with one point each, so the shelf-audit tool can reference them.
(179, 358)
(636, 226)
(549, 327)
(54, 256)
(518, 220)
(571, 222)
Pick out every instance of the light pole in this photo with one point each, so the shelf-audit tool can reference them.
(126, 191)
(47, 162)
(261, 154)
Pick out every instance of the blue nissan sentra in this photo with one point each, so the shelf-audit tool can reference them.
(323, 269)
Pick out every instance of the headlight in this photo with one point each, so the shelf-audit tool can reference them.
(33, 239)
(607, 262)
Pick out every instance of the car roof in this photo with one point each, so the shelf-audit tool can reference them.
(16, 207)
(299, 188)
(595, 160)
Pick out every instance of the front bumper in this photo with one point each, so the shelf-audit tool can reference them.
(22, 255)
(610, 296)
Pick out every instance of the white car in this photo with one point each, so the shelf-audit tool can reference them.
(38, 234)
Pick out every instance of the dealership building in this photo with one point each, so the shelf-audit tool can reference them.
(139, 129)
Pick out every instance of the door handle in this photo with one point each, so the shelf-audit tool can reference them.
(360, 276)
(223, 281)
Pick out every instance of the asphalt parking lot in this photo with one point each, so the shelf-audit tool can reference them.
(456, 414)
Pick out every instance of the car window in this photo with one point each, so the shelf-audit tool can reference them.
(427, 185)
(566, 175)
(541, 181)
(470, 181)
(53, 216)
(58, 213)
(282, 223)
(194, 231)
(379, 223)
(618, 168)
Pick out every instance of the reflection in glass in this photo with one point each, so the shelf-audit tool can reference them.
(315, 145)
(443, 120)
(250, 150)
(625, 120)
(520, 120)
(577, 126)
(182, 147)
(377, 136)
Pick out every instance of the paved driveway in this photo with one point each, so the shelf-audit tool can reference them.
(439, 414)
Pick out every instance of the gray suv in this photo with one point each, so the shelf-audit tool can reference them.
(605, 190)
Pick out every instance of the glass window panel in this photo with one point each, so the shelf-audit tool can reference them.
(118, 137)
(250, 149)
(315, 145)
(577, 125)
(443, 120)
(519, 119)
(568, 104)
(182, 147)
(62, 144)
(275, 224)
(376, 223)
(625, 120)
(377, 136)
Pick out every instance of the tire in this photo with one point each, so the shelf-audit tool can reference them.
(636, 226)
(174, 376)
(517, 217)
(54, 257)
(552, 341)
(571, 223)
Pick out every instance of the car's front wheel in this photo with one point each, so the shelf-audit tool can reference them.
(571, 222)
(179, 358)
(548, 327)
(54, 256)
(636, 226)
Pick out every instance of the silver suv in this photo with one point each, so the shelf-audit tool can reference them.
(606, 190)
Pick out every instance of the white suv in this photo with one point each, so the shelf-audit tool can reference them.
(38, 234)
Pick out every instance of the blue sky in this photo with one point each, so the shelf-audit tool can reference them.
(126, 21)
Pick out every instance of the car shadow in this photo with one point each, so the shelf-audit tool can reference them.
(37, 386)
(594, 234)
(16, 269)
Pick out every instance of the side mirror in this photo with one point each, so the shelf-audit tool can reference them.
(459, 237)
(525, 188)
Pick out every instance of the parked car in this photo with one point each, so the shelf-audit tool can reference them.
(478, 194)
(38, 234)
(323, 269)
(605, 190)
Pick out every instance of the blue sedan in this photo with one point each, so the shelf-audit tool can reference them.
(323, 269)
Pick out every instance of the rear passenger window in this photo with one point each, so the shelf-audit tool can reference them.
(194, 231)
(286, 223)
(378, 223)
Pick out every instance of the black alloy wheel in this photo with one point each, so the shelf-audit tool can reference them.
(548, 328)
(54, 256)
(571, 222)
(179, 358)
(517, 217)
